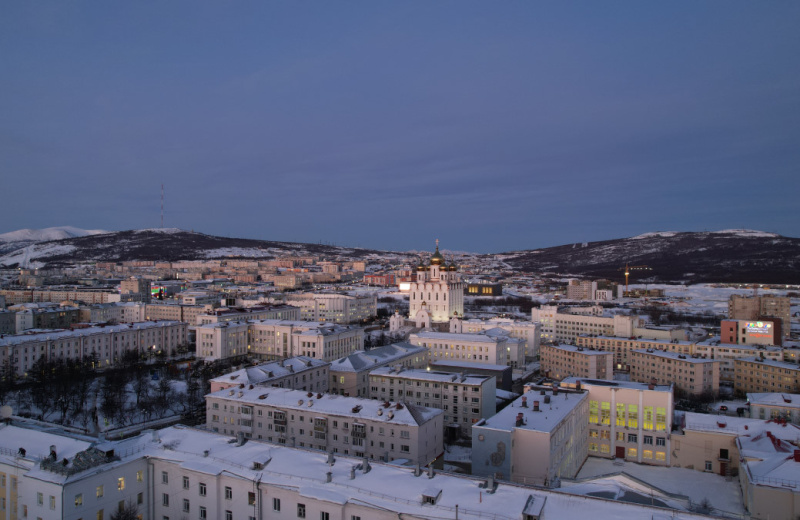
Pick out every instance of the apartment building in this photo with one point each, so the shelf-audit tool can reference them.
(465, 399)
(558, 325)
(561, 361)
(297, 373)
(766, 331)
(492, 347)
(227, 314)
(335, 308)
(785, 406)
(628, 420)
(8, 322)
(754, 308)
(277, 339)
(622, 347)
(727, 353)
(690, 374)
(328, 422)
(350, 374)
(526, 330)
(581, 290)
(106, 344)
(176, 312)
(55, 317)
(757, 375)
(14, 296)
(541, 437)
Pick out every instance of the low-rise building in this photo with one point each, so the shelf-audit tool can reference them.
(350, 374)
(757, 374)
(526, 330)
(297, 373)
(622, 347)
(55, 317)
(628, 420)
(691, 374)
(541, 437)
(561, 361)
(348, 425)
(562, 326)
(465, 399)
(228, 314)
(781, 406)
(503, 374)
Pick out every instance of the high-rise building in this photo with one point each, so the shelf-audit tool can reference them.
(764, 306)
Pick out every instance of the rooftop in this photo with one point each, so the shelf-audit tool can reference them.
(581, 350)
(332, 404)
(570, 382)
(428, 375)
(674, 355)
(462, 338)
(63, 334)
(774, 399)
(266, 372)
(364, 360)
(769, 362)
(546, 419)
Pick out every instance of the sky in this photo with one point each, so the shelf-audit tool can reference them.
(492, 126)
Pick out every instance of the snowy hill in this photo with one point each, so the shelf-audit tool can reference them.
(44, 235)
(731, 255)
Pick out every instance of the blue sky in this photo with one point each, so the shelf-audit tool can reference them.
(489, 125)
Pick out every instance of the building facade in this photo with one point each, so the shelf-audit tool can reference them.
(437, 294)
(562, 361)
(350, 374)
(691, 374)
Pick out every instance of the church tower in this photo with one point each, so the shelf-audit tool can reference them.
(437, 295)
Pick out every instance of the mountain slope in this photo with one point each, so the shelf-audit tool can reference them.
(723, 256)
(159, 244)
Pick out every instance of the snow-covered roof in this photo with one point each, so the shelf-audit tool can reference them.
(469, 365)
(545, 420)
(364, 360)
(266, 372)
(64, 334)
(480, 337)
(330, 404)
(427, 375)
(582, 350)
(774, 399)
(675, 355)
(571, 382)
(770, 362)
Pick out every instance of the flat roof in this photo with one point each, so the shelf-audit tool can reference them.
(580, 350)
(545, 420)
(675, 355)
(477, 337)
(430, 375)
(64, 334)
(770, 362)
(572, 380)
(774, 399)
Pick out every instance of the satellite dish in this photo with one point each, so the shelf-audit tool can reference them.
(5, 412)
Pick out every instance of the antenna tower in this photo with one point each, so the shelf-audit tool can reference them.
(162, 206)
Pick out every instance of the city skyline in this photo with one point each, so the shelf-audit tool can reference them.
(387, 126)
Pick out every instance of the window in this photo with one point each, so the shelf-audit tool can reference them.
(228, 515)
(661, 441)
(139, 476)
(185, 505)
(52, 502)
(185, 482)
(164, 477)
(632, 452)
(709, 466)
(165, 499)
(99, 491)
(140, 498)
(251, 498)
(228, 493)
(100, 515)
(648, 439)
(202, 489)
(121, 483)
(301, 510)
(324, 516)
(276, 504)
(660, 455)
(203, 514)
(354, 517)
(633, 416)
(79, 500)
(39, 499)
(632, 437)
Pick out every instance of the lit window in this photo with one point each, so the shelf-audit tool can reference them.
(121, 483)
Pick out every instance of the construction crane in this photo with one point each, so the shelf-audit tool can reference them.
(630, 268)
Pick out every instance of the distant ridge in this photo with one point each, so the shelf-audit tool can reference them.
(733, 255)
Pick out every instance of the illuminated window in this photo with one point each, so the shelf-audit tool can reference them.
(632, 452)
(593, 415)
(620, 414)
(121, 483)
(661, 419)
(648, 418)
(605, 413)
(99, 491)
(633, 416)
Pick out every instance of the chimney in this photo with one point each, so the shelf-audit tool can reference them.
(519, 421)
(352, 472)
(53, 454)
(328, 476)
(524, 402)
(417, 470)
(430, 470)
(155, 436)
(547, 399)
(205, 453)
(239, 438)
(490, 485)
(536, 406)
(365, 465)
